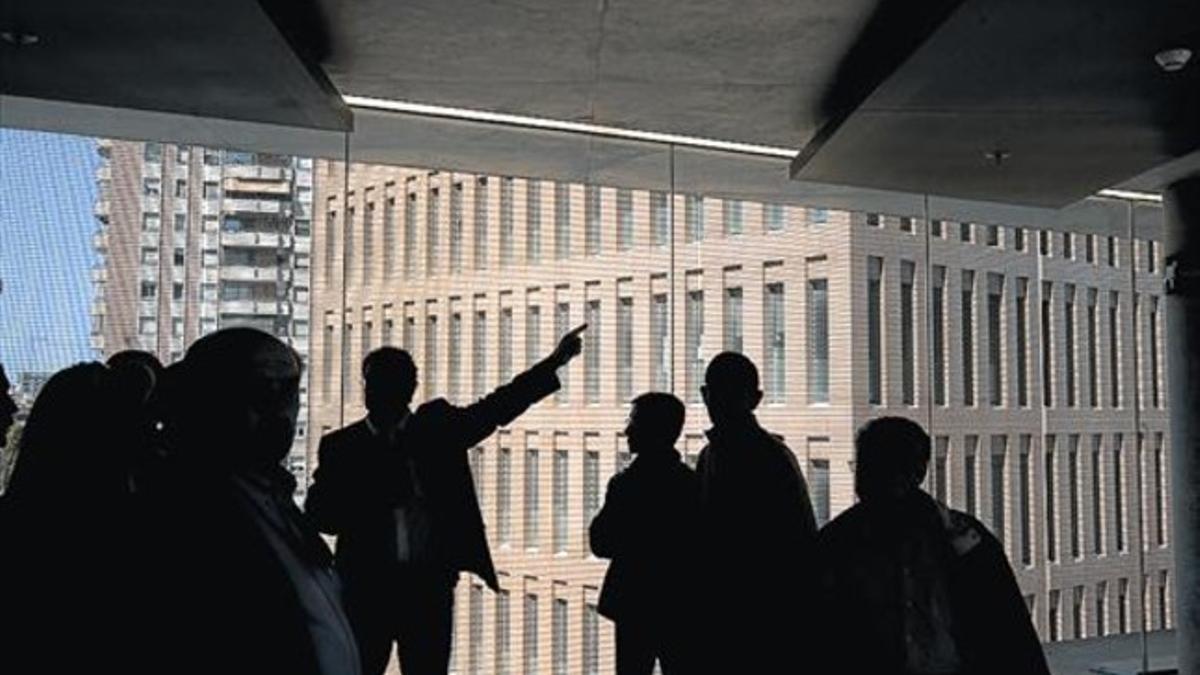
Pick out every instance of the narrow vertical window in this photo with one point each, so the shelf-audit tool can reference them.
(532, 499)
(998, 485)
(875, 330)
(1025, 499)
(732, 310)
(453, 348)
(1051, 501)
(506, 221)
(479, 353)
(591, 352)
(694, 339)
(559, 499)
(660, 219)
(1022, 342)
(562, 221)
(660, 347)
(591, 220)
(908, 348)
(481, 223)
(818, 476)
(504, 496)
(432, 229)
(732, 216)
(996, 339)
(1118, 474)
(1047, 345)
(970, 470)
(818, 341)
(410, 235)
(939, 334)
(968, 337)
(1093, 370)
(504, 365)
(624, 219)
(693, 210)
(1073, 507)
(774, 349)
(533, 222)
(562, 324)
(1069, 342)
(456, 227)
(624, 349)
(1097, 465)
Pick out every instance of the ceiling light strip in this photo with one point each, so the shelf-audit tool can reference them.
(563, 125)
(1131, 195)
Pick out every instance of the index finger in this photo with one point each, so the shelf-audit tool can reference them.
(576, 331)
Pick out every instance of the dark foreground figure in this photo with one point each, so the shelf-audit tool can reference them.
(908, 586)
(648, 528)
(396, 489)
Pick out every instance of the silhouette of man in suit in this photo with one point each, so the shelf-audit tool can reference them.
(647, 528)
(757, 524)
(8, 407)
(237, 568)
(396, 489)
(909, 586)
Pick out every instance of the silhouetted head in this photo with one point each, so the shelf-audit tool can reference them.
(234, 399)
(389, 380)
(136, 374)
(654, 423)
(730, 388)
(8, 407)
(891, 457)
(66, 447)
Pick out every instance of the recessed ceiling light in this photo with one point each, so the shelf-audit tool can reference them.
(18, 39)
(1172, 60)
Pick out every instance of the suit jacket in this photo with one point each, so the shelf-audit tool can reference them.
(359, 481)
(647, 527)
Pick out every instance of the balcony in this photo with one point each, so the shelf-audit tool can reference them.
(99, 274)
(102, 209)
(303, 244)
(151, 170)
(271, 206)
(104, 172)
(256, 239)
(254, 307)
(211, 174)
(257, 172)
(210, 207)
(151, 203)
(100, 241)
(251, 273)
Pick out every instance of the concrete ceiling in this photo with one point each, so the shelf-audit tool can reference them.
(744, 70)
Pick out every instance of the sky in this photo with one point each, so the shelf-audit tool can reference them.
(47, 192)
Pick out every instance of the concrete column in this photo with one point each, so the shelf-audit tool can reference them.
(1183, 356)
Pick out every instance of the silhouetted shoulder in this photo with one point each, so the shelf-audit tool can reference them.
(964, 531)
(844, 525)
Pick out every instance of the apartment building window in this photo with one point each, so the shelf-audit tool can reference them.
(1164, 596)
(908, 341)
(659, 346)
(591, 487)
(148, 290)
(660, 218)
(532, 499)
(818, 476)
(1022, 342)
(327, 361)
(1068, 245)
(433, 226)
(693, 214)
(503, 634)
(818, 216)
(389, 330)
(1055, 617)
(1069, 342)
(968, 337)
(558, 643)
(504, 496)
(533, 329)
(368, 239)
(1077, 612)
(562, 324)
(624, 349)
(480, 248)
(1044, 243)
(1073, 495)
(1101, 609)
(591, 640)
(965, 232)
(1051, 481)
(151, 222)
(1155, 399)
(775, 386)
(694, 337)
(389, 237)
(875, 330)
(591, 220)
(970, 473)
(995, 338)
(456, 227)
(592, 352)
(818, 341)
(152, 152)
(874, 220)
(506, 221)
(1118, 474)
(454, 349)
(180, 222)
(347, 380)
(530, 638)
(907, 225)
(479, 351)
(149, 255)
(475, 630)
(1097, 495)
(1151, 256)
(559, 499)
(1089, 251)
(562, 221)
(431, 357)
(1047, 346)
(504, 366)
(1123, 605)
(409, 336)
(1093, 371)
(993, 235)
(1025, 499)
(732, 338)
(999, 463)
(533, 222)
(624, 219)
(773, 218)
(410, 234)
(177, 291)
(732, 216)
(938, 337)
(937, 228)
(941, 474)
(1112, 251)
(1160, 493)
(147, 325)
(1019, 239)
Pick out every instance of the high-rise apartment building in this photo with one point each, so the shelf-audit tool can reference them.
(193, 239)
(1034, 359)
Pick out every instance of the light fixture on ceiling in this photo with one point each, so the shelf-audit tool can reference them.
(18, 38)
(997, 156)
(1173, 60)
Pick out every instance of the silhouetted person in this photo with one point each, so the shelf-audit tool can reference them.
(647, 528)
(136, 376)
(757, 527)
(908, 586)
(245, 584)
(65, 533)
(396, 489)
(8, 408)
